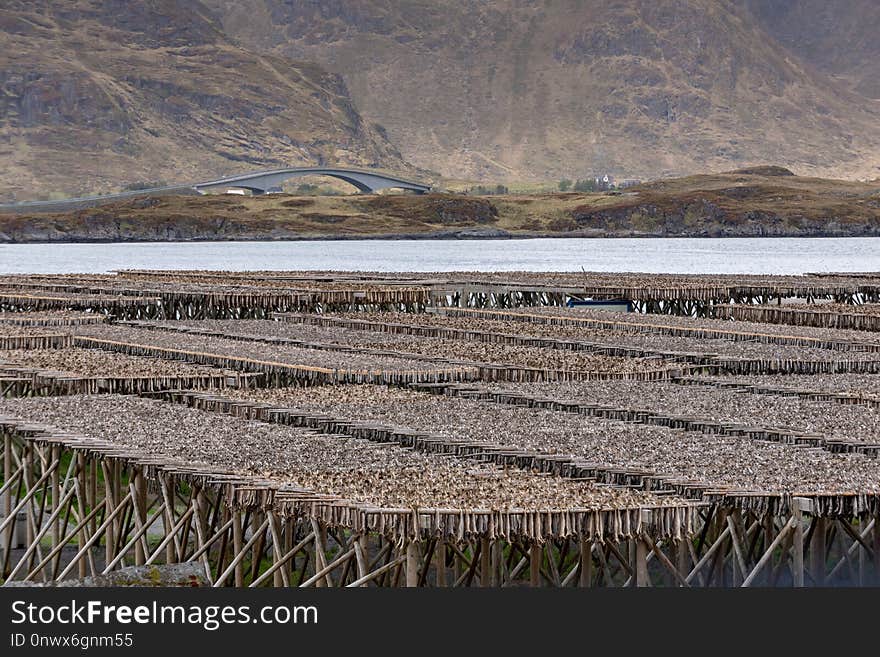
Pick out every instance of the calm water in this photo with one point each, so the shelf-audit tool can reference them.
(670, 255)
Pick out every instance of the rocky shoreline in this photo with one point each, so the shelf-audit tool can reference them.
(439, 235)
(736, 204)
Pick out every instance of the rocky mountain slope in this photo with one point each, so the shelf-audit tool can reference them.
(97, 94)
(838, 38)
(505, 89)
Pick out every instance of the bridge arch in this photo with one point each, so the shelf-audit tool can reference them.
(364, 181)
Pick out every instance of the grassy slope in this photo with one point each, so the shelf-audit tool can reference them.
(733, 204)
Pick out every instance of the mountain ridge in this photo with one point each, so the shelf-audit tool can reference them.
(501, 89)
(97, 95)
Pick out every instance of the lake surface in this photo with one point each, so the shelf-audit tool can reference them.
(765, 255)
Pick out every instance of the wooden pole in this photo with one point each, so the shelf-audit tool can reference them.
(740, 569)
(361, 547)
(290, 564)
(485, 562)
(797, 562)
(768, 553)
(345, 557)
(769, 539)
(200, 506)
(6, 536)
(457, 564)
(32, 547)
(28, 495)
(123, 550)
(140, 510)
(676, 573)
(109, 533)
(818, 552)
(682, 555)
(28, 475)
(237, 548)
(535, 553)
(863, 559)
(259, 546)
(716, 571)
(586, 575)
(320, 532)
(172, 550)
(279, 577)
(876, 542)
(707, 555)
(440, 562)
(641, 563)
(116, 482)
(495, 564)
(76, 531)
(287, 558)
(378, 572)
(80, 501)
(37, 517)
(184, 520)
(56, 497)
(92, 494)
(81, 555)
(412, 564)
(240, 553)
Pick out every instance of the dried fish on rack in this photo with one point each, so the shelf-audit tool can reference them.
(619, 452)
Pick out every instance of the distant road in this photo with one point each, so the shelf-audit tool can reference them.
(258, 182)
(69, 204)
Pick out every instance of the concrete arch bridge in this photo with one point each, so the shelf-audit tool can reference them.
(257, 182)
(260, 181)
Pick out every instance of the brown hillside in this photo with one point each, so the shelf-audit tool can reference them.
(502, 89)
(838, 37)
(733, 204)
(98, 94)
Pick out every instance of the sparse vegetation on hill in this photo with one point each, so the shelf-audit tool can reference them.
(95, 95)
(731, 204)
(507, 90)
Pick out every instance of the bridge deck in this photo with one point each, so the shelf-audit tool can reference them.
(258, 181)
